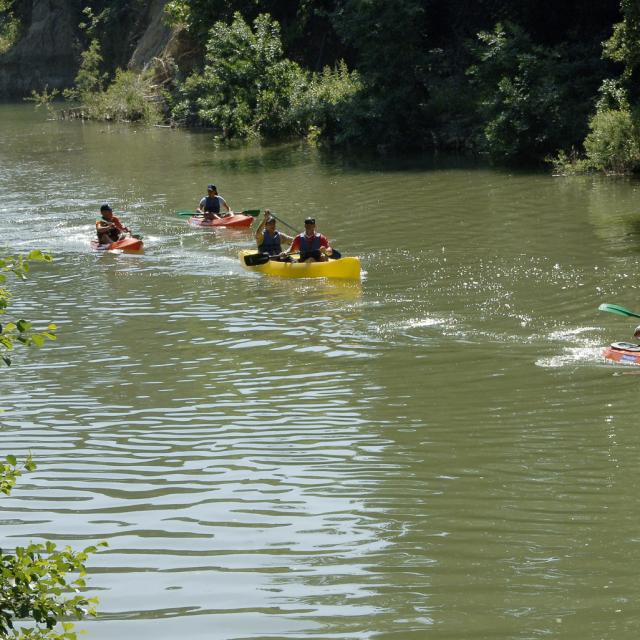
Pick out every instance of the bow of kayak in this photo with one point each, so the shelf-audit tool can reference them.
(344, 268)
(126, 244)
(623, 352)
(236, 220)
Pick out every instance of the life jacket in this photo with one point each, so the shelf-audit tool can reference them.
(113, 233)
(211, 204)
(271, 244)
(309, 245)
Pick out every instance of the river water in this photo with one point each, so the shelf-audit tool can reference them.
(436, 451)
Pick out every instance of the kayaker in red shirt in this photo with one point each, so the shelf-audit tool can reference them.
(109, 228)
(312, 246)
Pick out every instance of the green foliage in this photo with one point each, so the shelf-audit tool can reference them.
(44, 97)
(247, 85)
(9, 472)
(325, 108)
(20, 330)
(89, 79)
(527, 95)
(131, 97)
(178, 13)
(248, 88)
(393, 58)
(568, 164)
(10, 26)
(40, 584)
(613, 144)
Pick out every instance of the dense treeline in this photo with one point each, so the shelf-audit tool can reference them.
(516, 79)
(520, 80)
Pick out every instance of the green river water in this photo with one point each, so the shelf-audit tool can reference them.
(438, 451)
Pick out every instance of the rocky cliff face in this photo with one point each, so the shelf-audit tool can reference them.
(155, 39)
(48, 55)
(45, 56)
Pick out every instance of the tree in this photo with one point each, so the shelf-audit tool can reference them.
(247, 84)
(533, 99)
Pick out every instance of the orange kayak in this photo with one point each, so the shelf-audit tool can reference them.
(236, 220)
(624, 352)
(126, 244)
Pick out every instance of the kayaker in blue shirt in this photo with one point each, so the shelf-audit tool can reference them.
(210, 205)
(268, 238)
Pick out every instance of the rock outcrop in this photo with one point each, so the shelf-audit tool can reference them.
(46, 55)
(155, 39)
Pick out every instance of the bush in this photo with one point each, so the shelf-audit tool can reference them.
(530, 97)
(613, 145)
(325, 107)
(247, 85)
(131, 97)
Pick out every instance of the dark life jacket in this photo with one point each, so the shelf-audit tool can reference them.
(271, 244)
(309, 247)
(211, 204)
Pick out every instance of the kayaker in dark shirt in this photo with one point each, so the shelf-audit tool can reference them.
(268, 238)
(312, 246)
(210, 205)
(109, 228)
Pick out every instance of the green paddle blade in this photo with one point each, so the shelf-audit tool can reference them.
(616, 308)
(186, 214)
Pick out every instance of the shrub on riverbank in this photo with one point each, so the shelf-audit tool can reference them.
(249, 88)
(130, 97)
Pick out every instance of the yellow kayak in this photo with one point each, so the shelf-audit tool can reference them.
(344, 268)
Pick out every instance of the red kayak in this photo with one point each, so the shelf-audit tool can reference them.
(126, 244)
(236, 220)
(624, 352)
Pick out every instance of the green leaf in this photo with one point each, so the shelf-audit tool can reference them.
(38, 340)
(23, 325)
(12, 460)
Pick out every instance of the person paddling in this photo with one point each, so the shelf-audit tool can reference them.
(109, 228)
(313, 246)
(211, 204)
(268, 239)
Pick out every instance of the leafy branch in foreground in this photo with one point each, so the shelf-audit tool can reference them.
(20, 330)
(9, 472)
(36, 587)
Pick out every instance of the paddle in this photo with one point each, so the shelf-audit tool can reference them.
(285, 223)
(255, 259)
(617, 309)
(248, 212)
